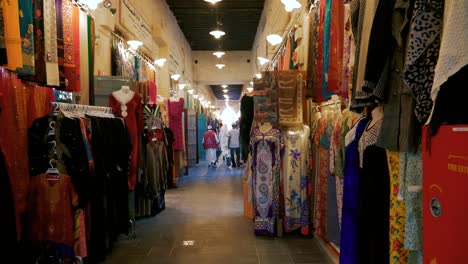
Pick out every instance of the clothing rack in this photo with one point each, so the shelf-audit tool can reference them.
(81, 108)
(137, 53)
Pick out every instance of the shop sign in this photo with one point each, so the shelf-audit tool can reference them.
(134, 22)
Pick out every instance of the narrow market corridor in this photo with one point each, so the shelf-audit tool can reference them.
(204, 223)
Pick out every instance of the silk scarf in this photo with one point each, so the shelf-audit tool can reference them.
(12, 34)
(50, 43)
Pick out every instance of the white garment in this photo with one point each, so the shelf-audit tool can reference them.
(211, 155)
(453, 54)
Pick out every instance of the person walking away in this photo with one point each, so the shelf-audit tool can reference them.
(234, 145)
(210, 144)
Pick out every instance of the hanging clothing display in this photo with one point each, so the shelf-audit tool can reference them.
(175, 122)
(266, 152)
(8, 220)
(132, 114)
(350, 219)
(246, 119)
(374, 192)
(295, 178)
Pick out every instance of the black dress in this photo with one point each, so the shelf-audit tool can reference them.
(247, 110)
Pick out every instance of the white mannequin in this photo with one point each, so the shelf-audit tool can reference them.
(377, 114)
(124, 95)
(265, 127)
(175, 97)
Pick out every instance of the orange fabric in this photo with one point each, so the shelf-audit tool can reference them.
(71, 29)
(336, 47)
(12, 34)
(76, 74)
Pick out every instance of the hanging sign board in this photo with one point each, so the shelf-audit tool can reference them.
(134, 22)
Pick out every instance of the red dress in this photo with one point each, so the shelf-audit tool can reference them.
(51, 209)
(175, 122)
(132, 113)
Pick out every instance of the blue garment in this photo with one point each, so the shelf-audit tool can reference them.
(349, 223)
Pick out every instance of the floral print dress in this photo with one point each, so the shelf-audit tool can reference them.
(296, 180)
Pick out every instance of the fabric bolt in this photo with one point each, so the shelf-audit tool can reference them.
(50, 44)
(39, 44)
(132, 113)
(295, 172)
(398, 253)
(452, 54)
(175, 122)
(84, 52)
(422, 54)
(12, 34)
(350, 218)
(27, 37)
(51, 206)
(410, 190)
(266, 153)
(245, 123)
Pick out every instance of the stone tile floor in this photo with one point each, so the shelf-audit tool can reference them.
(203, 223)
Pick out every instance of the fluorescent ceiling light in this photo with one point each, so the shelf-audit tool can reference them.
(262, 60)
(160, 62)
(219, 54)
(217, 33)
(175, 77)
(274, 39)
(220, 66)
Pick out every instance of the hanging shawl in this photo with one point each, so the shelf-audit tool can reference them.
(326, 49)
(12, 34)
(50, 44)
(60, 42)
(27, 37)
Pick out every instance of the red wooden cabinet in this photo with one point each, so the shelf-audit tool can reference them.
(445, 196)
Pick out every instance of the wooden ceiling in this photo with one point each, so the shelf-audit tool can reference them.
(238, 18)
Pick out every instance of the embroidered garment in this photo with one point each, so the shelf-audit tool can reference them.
(266, 98)
(59, 15)
(296, 180)
(289, 97)
(132, 113)
(27, 36)
(50, 44)
(322, 142)
(422, 54)
(266, 158)
(12, 34)
(398, 253)
(349, 223)
(71, 36)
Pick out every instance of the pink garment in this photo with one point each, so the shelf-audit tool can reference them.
(175, 122)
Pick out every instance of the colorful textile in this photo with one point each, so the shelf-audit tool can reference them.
(83, 60)
(3, 52)
(322, 140)
(59, 13)
(27, 36)
(289, 97)
(348, 55)
(398, 254)
(175, 122)
(50, 44)
(70, 25)
(266, 153)
(295, 178)
(335, 66)
(12, 34)
(349, 223)
(265, 98)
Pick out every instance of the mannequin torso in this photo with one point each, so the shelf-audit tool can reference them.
(265, 127)
(124, 95)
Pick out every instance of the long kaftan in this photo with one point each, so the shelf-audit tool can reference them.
(296, 180)
(266, 153)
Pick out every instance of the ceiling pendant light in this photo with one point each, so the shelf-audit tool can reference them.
(219, 54)
(225, 90)
(181, 86)
(262, 60)
(195, 96)
(92, 4)
(224, 86)
(213, 1)
(274, 39)
(190, 91)
(220, 66)
(258, 75)
(226, 96)
(217, 33)
(249, 89)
